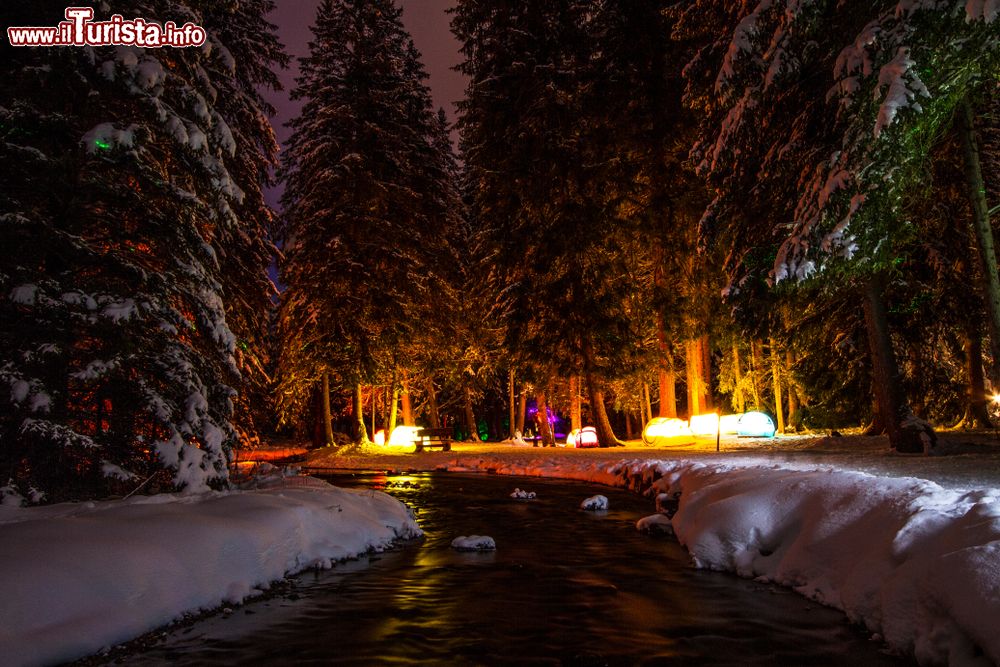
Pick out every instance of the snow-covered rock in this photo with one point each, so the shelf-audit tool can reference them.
(473, 543)
(655, 523)
(518, 494)
(76, 578)
(595, 503)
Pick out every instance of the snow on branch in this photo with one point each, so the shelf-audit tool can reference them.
(903, 87)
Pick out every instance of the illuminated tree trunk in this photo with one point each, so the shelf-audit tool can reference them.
(470, 416)
(649, 405)
(976, 412)
(605, 434)
(407, 407)
(393, 411)
(668, 396)
(575, 421)
(629, 431)
(756, 366)
(705, 368)
(327, 419)
(693, 361)
(542, 421)
(432, 404)
(779, 410)
(360, 433)
(793, 390)
(888, 388)
(984, 232)
(512, 400)
(738, 399)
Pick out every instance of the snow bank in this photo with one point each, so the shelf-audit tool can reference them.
(916, 563)
(518, 494)
(595, 503)
(474, 543)
(79, 577)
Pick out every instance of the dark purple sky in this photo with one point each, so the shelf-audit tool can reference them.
(425, 19)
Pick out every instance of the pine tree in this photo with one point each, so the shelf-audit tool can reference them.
(367, 209)
(121, 192)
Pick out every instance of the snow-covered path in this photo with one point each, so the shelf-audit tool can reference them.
(80, 577)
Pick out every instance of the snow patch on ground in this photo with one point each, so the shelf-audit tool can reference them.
(655, 523)
(518, 494)
(80, 577)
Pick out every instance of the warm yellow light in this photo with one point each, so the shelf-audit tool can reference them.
(661, 427)
(403, 436)
(995, 398)
(379, 438)
(729, 424)
(707, 424)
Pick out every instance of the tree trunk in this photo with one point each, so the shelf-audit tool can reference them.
(793, 390)
(693, 359)
(360, 433)
(327, 419)
(648, 404)
(779, 409)
(629, 432)
(976, 189)
(512, 400)
(707, 400)
(393, 411)
(976, 412)
(668, 396)
(738, 398)
(542, 421)
(432, 404)
(575, 422)
(892, 406)
(522, 408)
(756, 366)
(407, 407)
(470, 416)
(605, 434)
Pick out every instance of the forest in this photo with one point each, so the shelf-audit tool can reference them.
(653, 209)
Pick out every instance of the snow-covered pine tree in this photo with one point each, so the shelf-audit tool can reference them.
(116, 353)
(367, 206)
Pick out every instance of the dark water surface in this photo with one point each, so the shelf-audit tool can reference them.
(563, 587)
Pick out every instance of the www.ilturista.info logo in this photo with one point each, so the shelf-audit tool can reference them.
(80, 30)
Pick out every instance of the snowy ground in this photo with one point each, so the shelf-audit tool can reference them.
(76, 578)
(907, 545)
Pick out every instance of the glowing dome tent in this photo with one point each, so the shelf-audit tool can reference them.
(584, 437)
(663, 428)
(755, 425)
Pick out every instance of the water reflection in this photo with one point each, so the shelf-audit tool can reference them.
(564, 587)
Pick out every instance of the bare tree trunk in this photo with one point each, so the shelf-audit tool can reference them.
(738, 398)
(575, 421)
(360, 433)
(693, 358)
(756, 366)
(327, 419)
(984, 232)
(522, 408)
(649, 406)
(470, 416)
(776, 377)
(707, 400)
(605, 434)
(512, 400)
(976, 412)
(629, 432)
(393, 411)
(793, 389)
(374, 405)
(405, 400)
(542, 421)
(888, 388)
(668, 396)
(432, 404)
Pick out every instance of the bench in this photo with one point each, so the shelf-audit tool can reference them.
(433, 437)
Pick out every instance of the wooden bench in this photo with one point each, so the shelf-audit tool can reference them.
(433, 437)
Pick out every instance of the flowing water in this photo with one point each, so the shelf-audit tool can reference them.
(563, 587)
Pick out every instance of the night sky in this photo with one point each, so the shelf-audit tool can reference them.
(425, 19)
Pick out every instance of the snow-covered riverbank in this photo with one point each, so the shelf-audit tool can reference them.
(77, 578)
(917, 563)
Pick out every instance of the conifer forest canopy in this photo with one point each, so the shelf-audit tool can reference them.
(640, 210)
